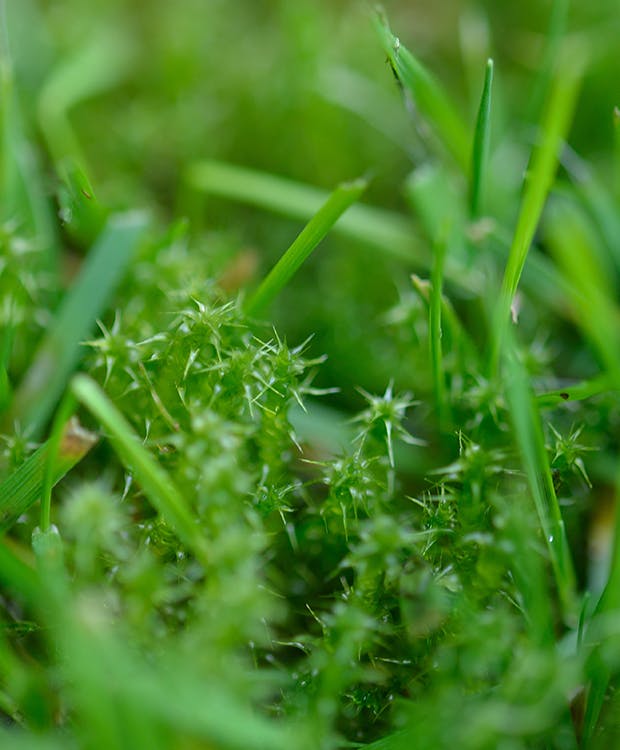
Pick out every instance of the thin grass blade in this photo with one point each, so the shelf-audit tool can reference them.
(480, 152)
(541, 173)
(304, 244)
(155, 482)
(531, 443)
(435, 335)
(59, 352)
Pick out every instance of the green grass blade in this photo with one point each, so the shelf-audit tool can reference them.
(155, 482)
(480, 152)
(435, 334)
(576, 392)
(428, 95)
(553, 43)
(616, 175)
(531, 443)
(541, 173)
(25, 486)
(386, 230)
(59, 352)
(304, 244)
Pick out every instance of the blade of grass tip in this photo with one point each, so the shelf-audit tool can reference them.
(59, 351)
(434, 324)
(386, 230)
(157, 485)
(480, 151)
(24, 487)
(304, 244)
(428, 95)
(541, 172)
(531, 443)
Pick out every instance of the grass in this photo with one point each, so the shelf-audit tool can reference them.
(259, 497)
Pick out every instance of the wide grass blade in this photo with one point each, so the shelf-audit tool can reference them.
(480, 152)
(428, 95)
(386, 230)
(25, 486)
(304, 244)
(157, 485)
(59, 351)
(541, 172)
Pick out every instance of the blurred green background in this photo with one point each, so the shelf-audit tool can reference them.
(300, 89)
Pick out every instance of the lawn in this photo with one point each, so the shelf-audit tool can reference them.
(309, 374)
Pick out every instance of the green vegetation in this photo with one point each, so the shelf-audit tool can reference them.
(309, 375)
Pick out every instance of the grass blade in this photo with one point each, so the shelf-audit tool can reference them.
(157, 485)
(434, 326)
(576, 392)
(59, 351)
(616, 175)
(531, 443)
(25, 486)
(544, 160)
(387, 230)
(304, 244)
(428, 95)
(480, 152)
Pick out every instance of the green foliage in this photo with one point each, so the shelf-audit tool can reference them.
(380, 517)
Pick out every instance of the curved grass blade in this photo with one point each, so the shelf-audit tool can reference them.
(25, 486)
(428, 95)
(59, 351)
(480, 152)
(541, 173)
(304, 244)
(155, 482)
